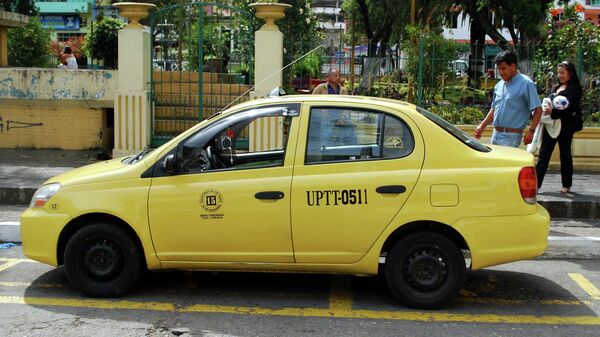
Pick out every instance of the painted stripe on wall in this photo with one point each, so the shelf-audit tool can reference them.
(133, 120)
(142, 131)
(126, 112)
(119, 125)
(265, 134)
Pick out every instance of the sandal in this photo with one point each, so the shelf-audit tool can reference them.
(565, 190)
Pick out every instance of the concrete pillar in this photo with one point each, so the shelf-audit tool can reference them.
(268, 50)
(132, 110)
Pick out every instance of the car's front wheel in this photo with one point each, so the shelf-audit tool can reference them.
(102, 260)
(425, 270)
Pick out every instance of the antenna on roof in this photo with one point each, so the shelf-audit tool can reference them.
(268, 77)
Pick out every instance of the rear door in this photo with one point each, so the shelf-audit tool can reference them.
(355, 167)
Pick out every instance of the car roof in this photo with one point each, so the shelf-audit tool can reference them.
(325, 98)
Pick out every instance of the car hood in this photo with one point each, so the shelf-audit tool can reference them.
(108, 170)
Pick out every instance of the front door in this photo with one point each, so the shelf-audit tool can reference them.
(230, 200)
(355, 169)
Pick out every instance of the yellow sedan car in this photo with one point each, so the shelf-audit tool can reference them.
(320, 184)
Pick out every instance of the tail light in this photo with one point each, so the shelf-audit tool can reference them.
(528, 184)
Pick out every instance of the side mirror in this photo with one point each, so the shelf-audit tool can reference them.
(169, 164)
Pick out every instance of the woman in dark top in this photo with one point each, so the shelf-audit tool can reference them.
(568, 85)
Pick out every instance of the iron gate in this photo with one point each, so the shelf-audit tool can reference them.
(202, 60)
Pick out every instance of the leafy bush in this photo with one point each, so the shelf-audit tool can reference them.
(308, 66)
(215, 43)
(453, 114)
(102, 42)
(595, 117)
(590, 105)
(29, 46)
(75, 42)
(470, 115)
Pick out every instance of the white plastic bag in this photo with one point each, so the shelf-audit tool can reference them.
(537, 139)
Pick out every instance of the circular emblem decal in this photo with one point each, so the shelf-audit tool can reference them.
(211, 200)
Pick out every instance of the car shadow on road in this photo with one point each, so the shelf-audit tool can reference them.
(486, 291)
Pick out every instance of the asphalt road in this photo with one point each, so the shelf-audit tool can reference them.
(530, 298)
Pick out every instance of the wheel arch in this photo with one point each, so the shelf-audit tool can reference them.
(422, 226)
(81, 221)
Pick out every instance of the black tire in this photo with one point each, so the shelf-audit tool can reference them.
(425, 270)
(102, 260)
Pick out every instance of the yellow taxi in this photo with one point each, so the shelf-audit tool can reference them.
(320, 184)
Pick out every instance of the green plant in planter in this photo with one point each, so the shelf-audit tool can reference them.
(215, 45)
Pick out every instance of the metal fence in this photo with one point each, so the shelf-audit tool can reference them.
(455, 84)
(202, 61)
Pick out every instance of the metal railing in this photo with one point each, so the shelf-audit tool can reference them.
(454, 85)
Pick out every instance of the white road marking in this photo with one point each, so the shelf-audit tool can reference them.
(10, 223)
(574, 238)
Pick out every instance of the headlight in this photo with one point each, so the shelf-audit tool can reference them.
(43, 194)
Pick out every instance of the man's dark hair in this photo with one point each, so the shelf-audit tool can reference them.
(67, 50)
(507, 57)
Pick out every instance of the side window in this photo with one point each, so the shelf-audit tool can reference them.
(398, 140)
(339, 134)
(250, 139)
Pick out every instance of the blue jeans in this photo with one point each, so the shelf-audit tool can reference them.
(506, 138)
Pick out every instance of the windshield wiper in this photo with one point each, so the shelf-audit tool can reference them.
(139, 156)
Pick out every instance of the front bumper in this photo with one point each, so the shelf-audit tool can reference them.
(497, 240)
(40, 231)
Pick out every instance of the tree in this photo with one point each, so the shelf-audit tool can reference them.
(385, 22)
(29, 46)
(569, 38)
(26, 7)
(102, 41)
(522, 18)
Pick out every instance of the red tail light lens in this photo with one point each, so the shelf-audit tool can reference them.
(528, 184)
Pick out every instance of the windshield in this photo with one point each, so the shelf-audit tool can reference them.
(454, 131)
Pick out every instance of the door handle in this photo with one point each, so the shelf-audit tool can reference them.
(391, 189)
(269, 195)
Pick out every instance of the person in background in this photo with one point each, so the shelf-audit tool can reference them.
(568, 86)
(333, 86)
(515, 96)
(67, 59)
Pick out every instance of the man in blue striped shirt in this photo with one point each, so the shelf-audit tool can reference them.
(515, 97)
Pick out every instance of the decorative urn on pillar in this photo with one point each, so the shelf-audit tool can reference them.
(270, 11)
(134, 12)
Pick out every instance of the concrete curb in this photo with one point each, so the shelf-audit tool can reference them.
(572, 209)
(16, 195)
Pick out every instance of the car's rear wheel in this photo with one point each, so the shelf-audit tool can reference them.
(425, 270)
(102, 260)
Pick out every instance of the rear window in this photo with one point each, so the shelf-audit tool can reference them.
(454, 131)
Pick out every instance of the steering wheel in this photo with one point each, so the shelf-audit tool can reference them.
(211, 157)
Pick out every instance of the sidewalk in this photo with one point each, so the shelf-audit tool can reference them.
(23, 170)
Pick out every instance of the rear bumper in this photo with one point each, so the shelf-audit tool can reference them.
(40, 231)
(497, 240)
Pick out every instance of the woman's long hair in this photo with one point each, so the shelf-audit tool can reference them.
(574, 80)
